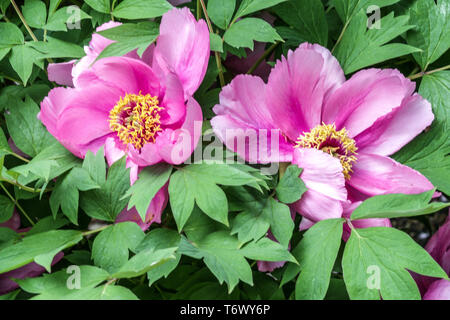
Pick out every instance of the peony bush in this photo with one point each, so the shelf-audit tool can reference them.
(238, 149)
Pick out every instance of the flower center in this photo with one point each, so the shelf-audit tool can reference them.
(136, 119)
(325, 137)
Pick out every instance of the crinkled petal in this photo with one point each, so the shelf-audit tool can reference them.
(298, 87)
(61, 73)
(365, 97)
(394, 130)
(439, 290)
(375, 175)
(323, 177)
(244, 123)
(183, 47)
(114, 150)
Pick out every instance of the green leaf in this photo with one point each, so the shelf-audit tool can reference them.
(150, 181)
(55, 48)
(110, 247)
(216, 42)
(35, 247)
(95, 165)
(258, 214)
(291, 187)
(316, 252)
(55, 285)
(145, 261)
(360, 48)
(99, 5)
(35, 13)
(28, 133)
(141, 9)
(250, 6)
(432, 22)
(308, 19)
(158, 239)
(58, 20)
(222, 256)
(6, 208)
(11, 34)
(65, 194)
(198, 182)
(22, 58)
(4, 146)
(47, 224)
(398, 205)
(429, 152)
(221, 11)
(245, 31)
(376, 261)
(48, 164)
(106, 202)
(128, 37)
(104, 292)
(349, 8)
(267, 250)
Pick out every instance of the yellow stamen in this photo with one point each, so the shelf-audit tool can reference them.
(338, 144)
(136, 119)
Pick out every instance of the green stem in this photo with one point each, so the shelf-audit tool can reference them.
(86, 233)
(16, 203)
(341, 35)
(19, 157)
(217, 54)
(421, 74)
(22, 18)
(263, 57)
(21, 186)
(199, 10)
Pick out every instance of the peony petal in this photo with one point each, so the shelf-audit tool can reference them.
(365, 97)
(299, 85)
(394, 130)
(176, 146)
(439, 246)
(376, 175)
(439, 290)
(244, 124)
(126, 74)
(305, 224)
(183, 47)
(114, 150)
(61, 73)
(323, 177)
(83, 124)
(173, 101)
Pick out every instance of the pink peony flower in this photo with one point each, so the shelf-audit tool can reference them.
(341, 132)
(27, 271)
(141, 108)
